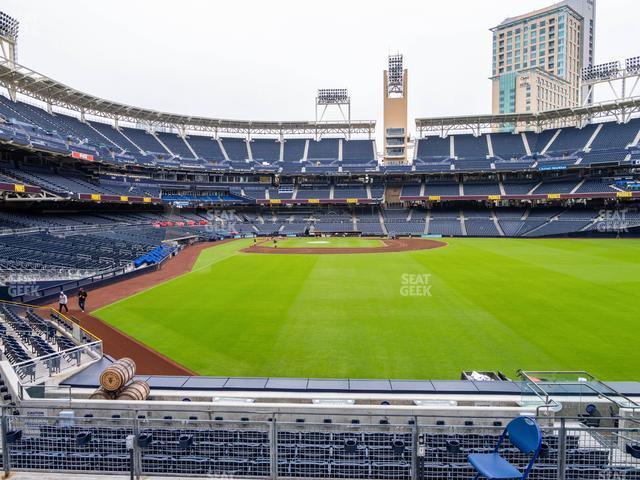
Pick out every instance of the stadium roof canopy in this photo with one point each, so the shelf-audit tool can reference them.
(621, 110)
(20, 79)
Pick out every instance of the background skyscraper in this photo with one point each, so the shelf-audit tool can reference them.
(538, 57)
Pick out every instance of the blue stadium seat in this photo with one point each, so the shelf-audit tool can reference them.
(522, 432)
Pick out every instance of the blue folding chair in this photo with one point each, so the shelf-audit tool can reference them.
(524, 433)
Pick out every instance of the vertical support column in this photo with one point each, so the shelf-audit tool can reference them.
(415, 453)
(349, 119)
(247, 141)
(489, 145)
(562, 449)
(222, 149)
(5, 449)
(137, 454)
(13, 92)
(8, 51)
(273, 448)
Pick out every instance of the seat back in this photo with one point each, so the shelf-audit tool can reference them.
(524, 433)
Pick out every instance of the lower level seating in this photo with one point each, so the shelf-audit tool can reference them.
(445, 227)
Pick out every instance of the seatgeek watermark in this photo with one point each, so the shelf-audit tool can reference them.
(221, 221)
(27, 288)
(415, 285)
(612, 221)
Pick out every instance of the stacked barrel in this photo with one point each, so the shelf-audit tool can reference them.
(116, 383)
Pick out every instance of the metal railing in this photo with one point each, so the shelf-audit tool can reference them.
(71, 228)
(77, 347)
(545, 384)
(274, 446)
(63, 322)
(91, 279)
(37, 370)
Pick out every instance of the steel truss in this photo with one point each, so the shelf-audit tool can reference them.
(17, 78)
(617, 82)
(621, 110)
(8, 196)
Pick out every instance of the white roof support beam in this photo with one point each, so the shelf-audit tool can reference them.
(622, 110)
(20, 79)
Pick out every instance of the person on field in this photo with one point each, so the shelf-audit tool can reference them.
(82, 298)
(275, 243)
(62, 302)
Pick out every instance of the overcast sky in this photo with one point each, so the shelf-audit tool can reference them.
(264, 60)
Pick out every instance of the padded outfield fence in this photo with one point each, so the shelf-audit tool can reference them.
(420, 448)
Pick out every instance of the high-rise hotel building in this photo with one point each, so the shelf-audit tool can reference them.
(538, 57)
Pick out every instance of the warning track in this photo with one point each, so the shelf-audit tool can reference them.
(118, 344)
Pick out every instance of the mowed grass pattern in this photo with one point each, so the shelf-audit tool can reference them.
(495, 304)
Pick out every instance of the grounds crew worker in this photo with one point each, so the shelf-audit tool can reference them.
(82, 298)
(62, 302)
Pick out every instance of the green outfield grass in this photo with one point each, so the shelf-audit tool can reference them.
(495, 304)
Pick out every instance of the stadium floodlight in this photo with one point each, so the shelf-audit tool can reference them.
(395, 75)
(613, 74)
(333, 96)
(632, 65)
(603, 71)
(587, 73)
(9, 27)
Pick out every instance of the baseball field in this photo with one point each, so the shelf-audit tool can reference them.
(483, 304)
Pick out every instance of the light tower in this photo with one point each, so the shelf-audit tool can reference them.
(615, 75)
(395, 111)
(9, 27)
(333, 97)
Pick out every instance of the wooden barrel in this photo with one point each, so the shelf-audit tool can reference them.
(117, 375)
(102, 394)
(137, 390)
